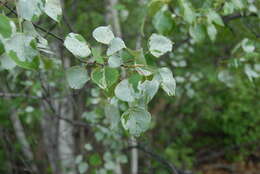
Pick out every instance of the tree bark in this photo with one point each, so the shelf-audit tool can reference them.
(20, 135)
(50, 125)
(112, 17)
(134, 156)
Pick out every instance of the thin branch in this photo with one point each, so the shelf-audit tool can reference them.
(231, 17)
(66, 21)
(11, 95)
(223, 152)
(36, 26)
(226, 20)
(171, 168)
(46, 98)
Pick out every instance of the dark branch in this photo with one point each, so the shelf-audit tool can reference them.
(226, 20)
(171, 168)
(231, 17)
(35, 25)
(11, 95)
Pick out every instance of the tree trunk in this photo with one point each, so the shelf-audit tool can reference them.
(21, 137)
(66, 139)
(50, 127)
(112, 17)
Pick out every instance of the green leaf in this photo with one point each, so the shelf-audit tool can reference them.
(77, 45)
(82, 167)
(159, 45)
(248, 45)
(2, 48)
(154, 6)
(124, 91)
(239, 4)
(103, 34)
(197, 32)
(78, 159)
(136, 120)
(42, 43)
(250, 72)
(228, 8)
(163, 22)
(7, 27)
(115, 45)
(227, 78)
(105, 77)
(212, 32)
(77, 77)
(149, 89)
(7, 62)
(21, 48)
(166, 80)
(29, 9)
(115, 61)
(145, 71)
(215, 17)
(88, 147)
(96, 51)
(53, 9)
(188, 14)
(138, 55)
(29, 29)
(47, 63)
(95, 160)
(134, 79)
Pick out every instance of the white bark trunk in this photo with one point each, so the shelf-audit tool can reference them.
(112, 17)
(66, 140)
(134, 156)
(20, 135)
(50, 125)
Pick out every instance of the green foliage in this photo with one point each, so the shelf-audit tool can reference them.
(203, 54)
(159, 45)
(163, 21)
(136, 120)
(105, 77)
(6, 26)
(77, 45)
(77, 77)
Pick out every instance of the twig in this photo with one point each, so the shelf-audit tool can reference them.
(171, 168)
(3, 94)
(226, 20)
(37, 26)
(218, 154)
(231, 17)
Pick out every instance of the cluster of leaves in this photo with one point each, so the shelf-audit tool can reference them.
(213, 96)
(23, 47)
(133, 90)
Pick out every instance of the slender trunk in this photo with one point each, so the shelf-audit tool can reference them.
(134, 156)
(20, 135)
(112, 17)
(49, 125)
(133, 141)
(66, 140)
(66, 137)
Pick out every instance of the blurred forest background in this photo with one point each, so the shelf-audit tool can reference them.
(211, 125)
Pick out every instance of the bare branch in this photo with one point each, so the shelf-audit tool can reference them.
(11, 95)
